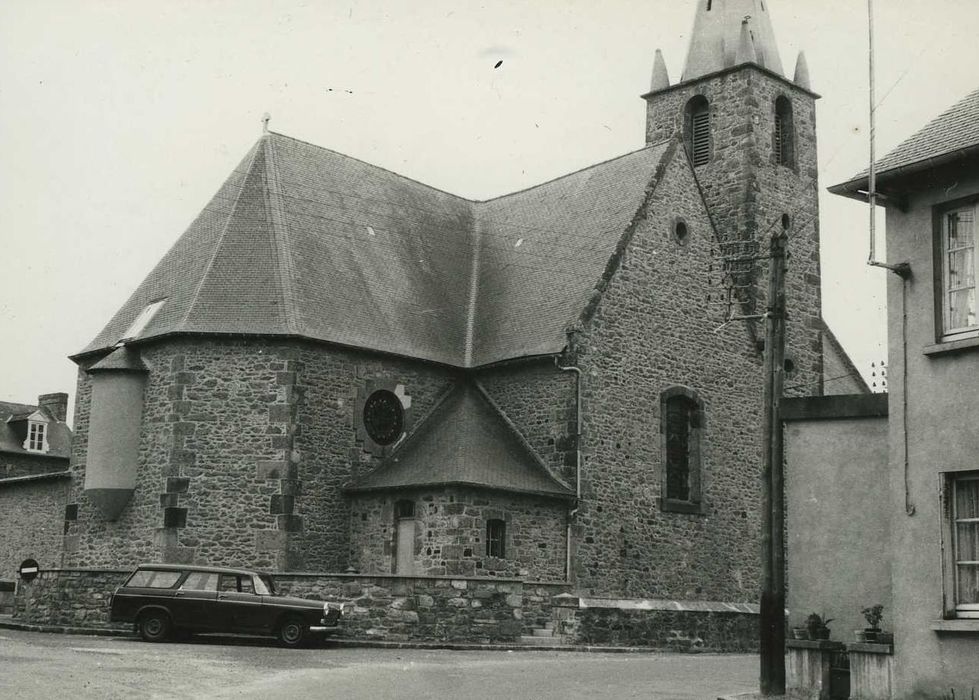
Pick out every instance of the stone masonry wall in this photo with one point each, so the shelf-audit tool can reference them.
(653, 329)
(433, 609)
(682, 631)
(326, 443)
(403, 608)
(394, 608)
(245, 448)
(540, 399)
(70, 598)
(747, 192)
(31, 517)
(450, 534)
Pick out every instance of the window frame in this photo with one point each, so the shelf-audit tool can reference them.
(694, 504)
(37, 436)
(951, 609)
(496, 537)
(943, 334)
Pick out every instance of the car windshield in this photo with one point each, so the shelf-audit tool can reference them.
(264, 585)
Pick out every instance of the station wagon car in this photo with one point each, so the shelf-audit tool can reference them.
(163, 599)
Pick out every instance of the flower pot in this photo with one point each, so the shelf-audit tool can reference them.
(800, 633)
(885, 637)
(860, 635)
(870, 635)
(822, 634)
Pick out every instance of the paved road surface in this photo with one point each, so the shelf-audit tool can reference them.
(67, 667)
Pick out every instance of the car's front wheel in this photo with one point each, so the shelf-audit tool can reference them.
(291, 632)
(154, 626)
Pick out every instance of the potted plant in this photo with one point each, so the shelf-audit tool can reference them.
(873, 615)
(817, 626)
(800, 632)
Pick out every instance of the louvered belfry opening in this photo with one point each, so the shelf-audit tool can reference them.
(783, 146)
(698, 130)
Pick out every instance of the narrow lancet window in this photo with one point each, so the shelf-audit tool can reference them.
(784, 137)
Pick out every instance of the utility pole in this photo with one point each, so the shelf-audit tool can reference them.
(772, 604)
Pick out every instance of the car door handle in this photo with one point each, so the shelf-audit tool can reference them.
(178, 593)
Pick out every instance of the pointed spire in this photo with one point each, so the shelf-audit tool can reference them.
(802, 72)
(746, 45)
(661, 77)
(716, 38)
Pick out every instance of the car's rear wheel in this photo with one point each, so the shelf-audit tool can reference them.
(291, 632)
(154, 626)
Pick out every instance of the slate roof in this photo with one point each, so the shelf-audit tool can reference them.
(302, 241)
(465, 440)
(952, 133)
(58, 433)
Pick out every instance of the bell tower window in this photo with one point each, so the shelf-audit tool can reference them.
(697, 130)
(784, 136)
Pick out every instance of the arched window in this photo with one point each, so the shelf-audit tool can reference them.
(697, 130)
(784, 137)
(681, 427)
(496, 538)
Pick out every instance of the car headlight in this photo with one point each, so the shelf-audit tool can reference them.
(327, 607)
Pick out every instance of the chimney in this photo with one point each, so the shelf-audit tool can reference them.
(56, 405)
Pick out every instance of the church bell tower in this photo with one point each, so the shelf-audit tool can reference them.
(750, 135)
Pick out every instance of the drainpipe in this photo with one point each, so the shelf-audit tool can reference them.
(902, 269)
(577, 467)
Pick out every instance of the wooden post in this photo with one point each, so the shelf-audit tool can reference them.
(772, 603)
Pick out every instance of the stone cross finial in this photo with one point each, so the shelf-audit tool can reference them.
(265, 122)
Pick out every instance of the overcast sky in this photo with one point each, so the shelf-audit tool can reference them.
(119, 120)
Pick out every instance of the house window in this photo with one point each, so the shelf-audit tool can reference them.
(35, 437)
(681, 424)
(958, 273)
(496, 538)
(961, 531)
(784, 137)
(697, 128)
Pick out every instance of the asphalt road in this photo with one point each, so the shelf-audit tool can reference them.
(34, 665)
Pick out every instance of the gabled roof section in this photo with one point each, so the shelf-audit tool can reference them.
(836, 356)
(542, 250)
(465, 440)
(952, 134)
(301, 241)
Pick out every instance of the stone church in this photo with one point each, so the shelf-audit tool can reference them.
(337, 368)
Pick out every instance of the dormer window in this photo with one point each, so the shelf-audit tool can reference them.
(141, 321)
(37, 440)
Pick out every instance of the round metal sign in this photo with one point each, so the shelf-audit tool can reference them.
(28, 569)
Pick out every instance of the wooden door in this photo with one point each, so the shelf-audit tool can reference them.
(406, 547)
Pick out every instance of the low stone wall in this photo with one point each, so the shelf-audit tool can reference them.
(405, 608)
(439, 609)
(676, 625)
(537, 606)
(69, 598)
